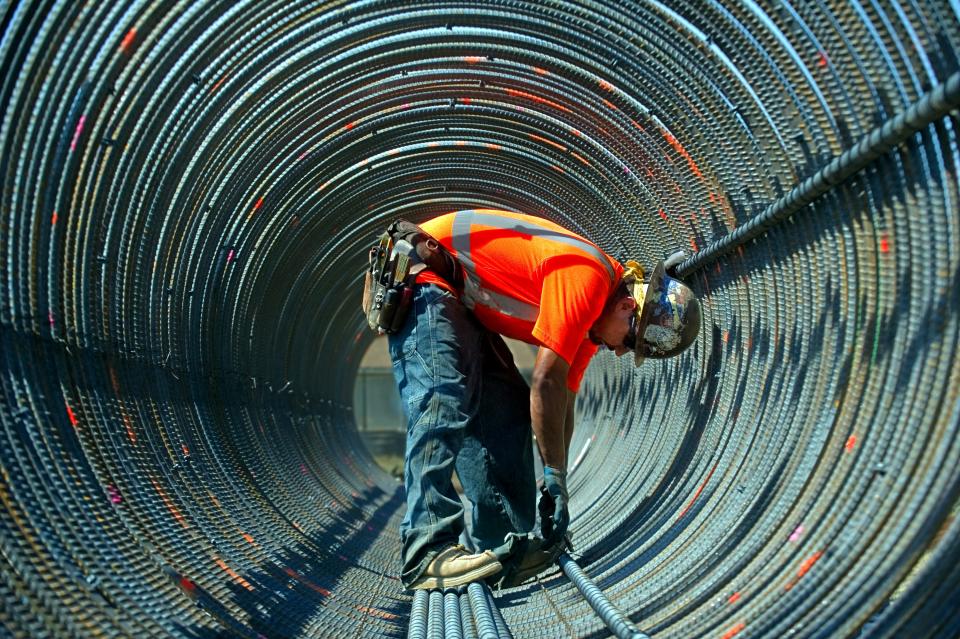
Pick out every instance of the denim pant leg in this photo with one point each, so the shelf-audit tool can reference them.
(495, 464)
(436, 365)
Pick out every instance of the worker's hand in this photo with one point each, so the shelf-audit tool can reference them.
(673, 261)
(555, 481)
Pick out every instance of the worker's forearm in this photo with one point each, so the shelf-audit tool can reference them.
(548, 413)
(568, 423)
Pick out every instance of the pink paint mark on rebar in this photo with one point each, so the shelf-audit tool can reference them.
(77, 132)
(230, 256)
(797, 534)
(114, 494)
(303, 469)
(50, 318)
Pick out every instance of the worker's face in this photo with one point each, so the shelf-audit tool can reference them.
(615, 327)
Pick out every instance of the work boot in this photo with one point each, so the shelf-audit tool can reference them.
(455, 567)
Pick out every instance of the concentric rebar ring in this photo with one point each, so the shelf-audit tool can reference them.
(189, 190)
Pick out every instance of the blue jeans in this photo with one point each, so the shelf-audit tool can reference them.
(467, 408)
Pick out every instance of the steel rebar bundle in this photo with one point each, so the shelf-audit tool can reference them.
(189, 193)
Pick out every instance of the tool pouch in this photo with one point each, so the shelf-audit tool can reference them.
(393, 263)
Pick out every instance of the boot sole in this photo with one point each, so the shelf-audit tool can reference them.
(434, 583)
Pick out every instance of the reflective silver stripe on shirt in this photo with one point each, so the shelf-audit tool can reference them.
(474, 291)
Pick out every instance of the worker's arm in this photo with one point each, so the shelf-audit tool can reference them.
(551, 412)
(550, 408)
(568, 423)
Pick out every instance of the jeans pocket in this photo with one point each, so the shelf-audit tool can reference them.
(417, 328)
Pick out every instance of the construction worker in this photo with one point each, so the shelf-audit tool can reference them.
(469, 409)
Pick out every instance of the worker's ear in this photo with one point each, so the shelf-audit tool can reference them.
(627, 303)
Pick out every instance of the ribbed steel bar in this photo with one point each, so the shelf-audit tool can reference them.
(452, 627)
(503, 630)
(436, 616)
(467, 619)
(933, 106)
(417, 625)
(616, 621)
(486, 626)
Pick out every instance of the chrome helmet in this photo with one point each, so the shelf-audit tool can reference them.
(667, 317)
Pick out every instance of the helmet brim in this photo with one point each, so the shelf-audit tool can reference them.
(645, 306)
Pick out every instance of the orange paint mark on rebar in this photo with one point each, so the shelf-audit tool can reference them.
(324, 185)
(249, 538)
(576, 132)
(546, 141)
(187, 585)
(377, 613)
(258, 204)
(169, 504)
(213, 498)
(580, 158)
(693, 245)
(851, 443)
(804, 568)
(734, 631)
(493, 147)
(537, 98)
(53, 219)
(472, 59)
(233, 574)
(306, 582)
(663, 214)
(186, 451)
(675, 143)
(128, 423)
(726, 337)
(350, 125)
(884, 244)
(824, 60)
(540, 71)
(557, 168)
(734, 598)
(699, 490)
(636, 125)
(71, 415)
(219, 82)
(128, 40)
(460, 143)
(610, 105)
(606, 86)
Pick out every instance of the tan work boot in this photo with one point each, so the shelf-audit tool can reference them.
(455, 567)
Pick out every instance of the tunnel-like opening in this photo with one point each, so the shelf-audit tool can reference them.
(189, 193)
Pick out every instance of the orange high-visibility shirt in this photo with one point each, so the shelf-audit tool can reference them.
(529, 279)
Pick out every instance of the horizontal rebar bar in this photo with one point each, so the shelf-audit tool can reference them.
(931, 107)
